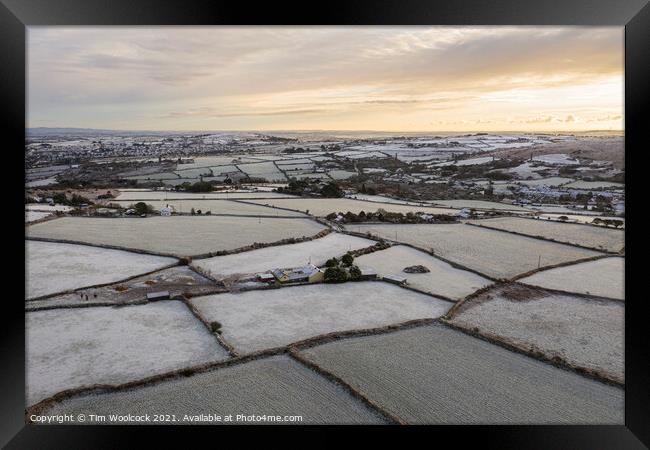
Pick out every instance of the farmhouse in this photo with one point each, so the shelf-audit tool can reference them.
(309, 273)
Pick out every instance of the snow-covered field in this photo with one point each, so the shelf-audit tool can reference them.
(47, 207)
(443, 279)
(381, 199)
(324, 206)
(594, 184)
(551, 181)
(598, 238)
(580, 218)
(43, 182)
(33, 216)
(275, 386)
(561, 159)
(436, 375)
(341, 174)
(479, 204)
(493, 253)
(267, 170)
(585, 332)
(54, 267)
(177, 235)
(603, 277)
(467, 162)
(293, 255)
(256, 320)
(215, 207)
(69, 348)
(169, 195)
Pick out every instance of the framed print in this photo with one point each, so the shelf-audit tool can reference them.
(410, 214)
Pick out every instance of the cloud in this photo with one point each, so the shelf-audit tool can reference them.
(256, 74)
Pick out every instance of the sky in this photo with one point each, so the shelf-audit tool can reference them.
(409, 78)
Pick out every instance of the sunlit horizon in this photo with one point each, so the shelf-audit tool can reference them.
(327, 79)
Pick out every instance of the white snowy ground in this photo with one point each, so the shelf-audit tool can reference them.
(256, 320)
(293, 255)
(33, 216)
(47, 207)
(53, 267)
(603, 277)
(443, 279)
(583, 331)
(69, 348)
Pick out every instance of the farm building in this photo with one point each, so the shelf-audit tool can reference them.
(395, 279)
(309, 273)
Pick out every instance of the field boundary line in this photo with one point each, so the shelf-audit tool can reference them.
(575, 294)
(542, 238)
(555, 361)
(259, 245)
(40, 406)
(222, 342)
(106, 246)
(78, 305)
(558, 265)
(332, 378)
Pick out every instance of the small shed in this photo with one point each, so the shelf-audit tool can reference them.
(155, 296)
(266, 277)
(395, 279)
(368, 273)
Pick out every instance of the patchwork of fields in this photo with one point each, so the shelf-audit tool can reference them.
(598, 238)
(215, 207)
(493, 253)
(469, 381)
(316, 251)
(442, 278)
(325, 206)
(585, 332)
(176, 235)
(604, 278)
(99, 345)
(261, 319)
(54, 267)
(361, 352)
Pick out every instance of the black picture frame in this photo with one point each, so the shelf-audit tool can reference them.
(16, 15)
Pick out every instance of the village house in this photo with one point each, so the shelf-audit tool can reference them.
(306, 274)
(166, 210)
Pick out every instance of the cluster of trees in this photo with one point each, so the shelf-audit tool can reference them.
(305, 187)
(340, 271)
(382, 215)
(76, 199)
(142, 208)
(607, 222)
(199, 212)
(199, 186)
